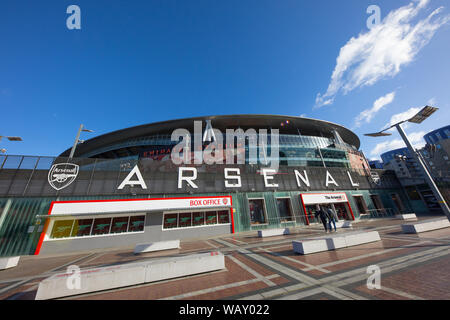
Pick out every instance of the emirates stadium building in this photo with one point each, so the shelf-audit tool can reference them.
(125, 187)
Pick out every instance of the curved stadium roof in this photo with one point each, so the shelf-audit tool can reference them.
(306, 126)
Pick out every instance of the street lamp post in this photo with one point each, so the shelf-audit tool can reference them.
(77, 140)
(418, 118)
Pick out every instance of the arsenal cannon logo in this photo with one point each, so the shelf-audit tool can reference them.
(62, 174)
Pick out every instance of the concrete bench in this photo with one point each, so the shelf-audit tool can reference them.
(334, 242)
(129, 274)
(8, 262)
(408, 216)
(343, 224)
(273, 232)
(427, 225)
(157, 246)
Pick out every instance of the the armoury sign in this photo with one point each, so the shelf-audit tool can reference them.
(62, 175)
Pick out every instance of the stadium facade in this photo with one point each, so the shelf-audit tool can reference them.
(123, 188)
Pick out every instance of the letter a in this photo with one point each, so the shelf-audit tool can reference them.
(128, 182)
(74, 21)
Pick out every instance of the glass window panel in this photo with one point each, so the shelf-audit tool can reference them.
(211, 217)
(101, 226)
(170, 221)
(136, 224)
(184, 219)
(198, 218)
(284, 208)
(119, 224)
(257, 215)
(82, 227)
(45, 163)
(28, 162)
(61, 229)
(12, 162)
(224, 216)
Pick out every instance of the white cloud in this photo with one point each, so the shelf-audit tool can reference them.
(416, 139)
(368, 114)
(431, 102)
(408, 114)
(383, 50)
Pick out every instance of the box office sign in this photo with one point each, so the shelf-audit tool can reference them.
(90, 207)
(314, 198)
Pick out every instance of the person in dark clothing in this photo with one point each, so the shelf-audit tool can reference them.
(332, 218)
(323, 217)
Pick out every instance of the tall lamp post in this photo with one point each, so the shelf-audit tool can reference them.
(418, 118)
(10, 139)
(77, 140)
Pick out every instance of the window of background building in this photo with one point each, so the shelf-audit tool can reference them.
(82, 227)
(101, 226)
(257, 211)
(284, 209)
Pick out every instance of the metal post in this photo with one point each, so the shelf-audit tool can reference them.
(321, 157)
(427, 175)
(76, 142)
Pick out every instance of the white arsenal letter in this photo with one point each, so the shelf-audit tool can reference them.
(351, 180)
(189, 180)
(267, 178)
(330, 180)
(127, 182)
(238, 184)
(305, 179)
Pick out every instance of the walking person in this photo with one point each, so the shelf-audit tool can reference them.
(323, 217)
(332, 218)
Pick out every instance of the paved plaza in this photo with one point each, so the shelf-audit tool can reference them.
(413, 266)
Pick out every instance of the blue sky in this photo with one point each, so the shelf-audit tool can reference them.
(136, 62)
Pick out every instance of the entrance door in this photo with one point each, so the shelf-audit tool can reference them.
(377, 203)
(397, 202)
(360, 203)
(310, 212)
(342, 211)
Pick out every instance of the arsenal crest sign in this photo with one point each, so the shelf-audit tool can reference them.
(62, 174)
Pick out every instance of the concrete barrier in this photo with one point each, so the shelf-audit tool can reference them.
(272, 232)
(157, 246)
(343, 224)
(8, 262)
(334, 242)
(409, 216)
(129, 274)
(427, 225)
